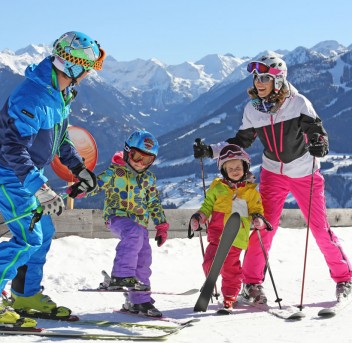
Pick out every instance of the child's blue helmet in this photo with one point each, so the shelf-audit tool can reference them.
(141, 147)
(143, 141)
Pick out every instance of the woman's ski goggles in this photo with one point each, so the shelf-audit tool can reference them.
(262, 78)
(139, 156)
(262, 68)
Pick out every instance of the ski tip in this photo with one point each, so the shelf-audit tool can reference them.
(326, 313)
(296, 316)
(190, 292)
(223, 312)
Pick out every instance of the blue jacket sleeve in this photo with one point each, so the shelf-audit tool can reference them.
(17, 138)
(68, 154)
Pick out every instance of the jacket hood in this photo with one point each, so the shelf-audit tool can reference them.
(118, 159)
(40, 73)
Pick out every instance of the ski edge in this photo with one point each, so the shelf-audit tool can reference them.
(48, 333)
(179, 322)
(102, 290)
(276, 312)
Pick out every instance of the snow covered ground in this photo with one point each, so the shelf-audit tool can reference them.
(75, 262)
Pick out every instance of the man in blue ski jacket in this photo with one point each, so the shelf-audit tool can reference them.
(33, 129)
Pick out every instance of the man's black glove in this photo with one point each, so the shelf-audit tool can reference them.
(319, 146)
(202, 150)
(87, 181)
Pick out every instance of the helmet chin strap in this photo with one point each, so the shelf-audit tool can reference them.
(73, 78)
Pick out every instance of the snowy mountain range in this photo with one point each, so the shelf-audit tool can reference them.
(179, 103)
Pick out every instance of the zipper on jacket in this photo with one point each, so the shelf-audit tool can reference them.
(275, 144)
(53, 151)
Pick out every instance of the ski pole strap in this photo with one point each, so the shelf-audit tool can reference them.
(190, 231)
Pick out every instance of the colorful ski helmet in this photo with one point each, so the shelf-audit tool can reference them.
(233, 152)
(273, 66)
(142, 141)
(74, 52)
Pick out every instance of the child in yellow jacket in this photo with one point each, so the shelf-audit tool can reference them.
(234, 192)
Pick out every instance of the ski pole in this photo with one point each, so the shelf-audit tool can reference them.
(204, 190)
(37, 214)
(198, 141)
(307, 236)
(278, 299)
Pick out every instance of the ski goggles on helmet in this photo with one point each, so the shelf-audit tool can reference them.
(262, 78)
(232, 152)
(141, 157)
(261, 68)
(86, 64)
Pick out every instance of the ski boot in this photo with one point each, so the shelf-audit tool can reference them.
(147, 308)
(254, 293)
(343, 290)
(9, 317)
(39, 306)
(227, 306)
(127, 282)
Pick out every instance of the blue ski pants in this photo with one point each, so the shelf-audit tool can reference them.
(23, 256)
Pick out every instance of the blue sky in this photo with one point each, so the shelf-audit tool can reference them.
(175, 31)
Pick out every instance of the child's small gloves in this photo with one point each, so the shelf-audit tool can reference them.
(161, 233)
(259, 224)
(197, 219)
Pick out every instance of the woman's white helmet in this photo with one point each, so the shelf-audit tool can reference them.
(273, 66)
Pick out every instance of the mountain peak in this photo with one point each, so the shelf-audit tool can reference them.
(33, 50)
(329, 48)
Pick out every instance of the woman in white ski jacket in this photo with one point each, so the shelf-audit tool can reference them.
(293, 137)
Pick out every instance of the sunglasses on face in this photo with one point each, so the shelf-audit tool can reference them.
(141, 157)
(261, 68)
(264, 78)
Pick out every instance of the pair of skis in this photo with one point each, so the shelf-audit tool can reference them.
(124, 289)
(160, 332)
(293, 313)
(80, 334)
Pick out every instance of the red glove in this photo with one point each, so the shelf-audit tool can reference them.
(161, 233)
(197, 219)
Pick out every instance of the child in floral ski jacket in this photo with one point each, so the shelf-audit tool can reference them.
(131, 196)
(234, 192)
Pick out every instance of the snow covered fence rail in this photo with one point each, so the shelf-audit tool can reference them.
(89, 223)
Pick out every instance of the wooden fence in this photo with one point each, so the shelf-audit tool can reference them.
(89, 223)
